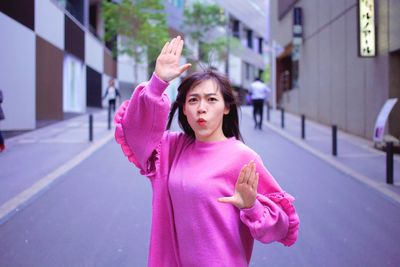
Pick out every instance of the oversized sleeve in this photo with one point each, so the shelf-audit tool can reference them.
(273, 216)
(140, 124)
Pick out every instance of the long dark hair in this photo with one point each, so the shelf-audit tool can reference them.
(230, 123)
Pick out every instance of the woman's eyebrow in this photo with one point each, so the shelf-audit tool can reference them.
(197, 95)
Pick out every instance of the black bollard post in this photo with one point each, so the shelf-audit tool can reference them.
(268, 110)
(90, 127)
(282, 118)
(389, 162)
(303, 126)
(109, 117)
(334, 140)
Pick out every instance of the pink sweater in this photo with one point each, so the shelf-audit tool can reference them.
(190, 227)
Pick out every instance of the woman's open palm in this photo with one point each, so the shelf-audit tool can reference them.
(245, 188)
(167, 64)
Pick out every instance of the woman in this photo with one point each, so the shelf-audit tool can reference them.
(212, 195)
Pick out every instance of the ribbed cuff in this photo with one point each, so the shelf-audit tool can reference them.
(254, 212)
(157, 86)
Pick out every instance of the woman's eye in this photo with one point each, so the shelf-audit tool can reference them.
(212, 99)
(192, 100)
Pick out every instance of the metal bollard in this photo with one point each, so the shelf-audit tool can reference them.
(268, 110)
(389, 162)
(282, 118)
(303, 126)
(90, 127)
(334, 140)
(109, 117)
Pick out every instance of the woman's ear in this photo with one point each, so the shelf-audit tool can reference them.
(226, 110)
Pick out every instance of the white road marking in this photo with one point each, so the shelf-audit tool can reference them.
(11, 206)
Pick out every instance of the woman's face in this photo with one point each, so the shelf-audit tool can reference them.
(204, 109)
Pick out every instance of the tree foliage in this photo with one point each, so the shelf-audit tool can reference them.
(266, 74)
(141, 24)
(200, 21)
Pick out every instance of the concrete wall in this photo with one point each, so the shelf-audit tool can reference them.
(348, 90)
(94, 52)
(45, 57)
(17, 74)
(251, 15)
(53, 32)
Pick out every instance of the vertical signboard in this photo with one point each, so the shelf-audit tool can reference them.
(297, 26)
(297, 41)
(366, 28)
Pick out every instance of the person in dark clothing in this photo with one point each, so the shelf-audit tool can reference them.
(259, 93)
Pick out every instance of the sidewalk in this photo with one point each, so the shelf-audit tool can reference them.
(355, 156)
(34, 160)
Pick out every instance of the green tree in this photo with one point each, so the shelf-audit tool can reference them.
(266, 74)
(200, 20)
(141, 26)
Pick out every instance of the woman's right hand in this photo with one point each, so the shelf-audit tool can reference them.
(167, 64)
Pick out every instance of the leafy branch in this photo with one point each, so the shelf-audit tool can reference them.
(141, 25)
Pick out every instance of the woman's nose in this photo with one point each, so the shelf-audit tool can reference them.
(201, 108)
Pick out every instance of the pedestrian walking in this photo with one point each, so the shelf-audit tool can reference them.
(2, 117)
(259, 92)
(212, 195)
(112, 93)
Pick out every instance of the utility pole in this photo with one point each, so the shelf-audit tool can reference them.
(227, 43)
(276, 49)
(273, 74)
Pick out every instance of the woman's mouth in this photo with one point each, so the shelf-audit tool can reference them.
(201, 122)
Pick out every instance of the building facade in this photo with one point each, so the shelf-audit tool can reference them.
(331, 83)
(248, 24)
(54, 62)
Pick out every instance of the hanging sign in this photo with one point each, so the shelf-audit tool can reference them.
(297, 26)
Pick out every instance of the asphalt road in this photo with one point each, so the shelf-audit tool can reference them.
(99, 214)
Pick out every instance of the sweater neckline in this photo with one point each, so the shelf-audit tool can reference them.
(212, 144)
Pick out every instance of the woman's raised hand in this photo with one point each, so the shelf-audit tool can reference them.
(245, 188)
(167, 65)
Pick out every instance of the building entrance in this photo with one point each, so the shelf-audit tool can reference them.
(394, 92)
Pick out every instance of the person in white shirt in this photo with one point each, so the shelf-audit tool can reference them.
(259, 92)
(112, 93)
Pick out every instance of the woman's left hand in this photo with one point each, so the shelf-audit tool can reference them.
(245, 188)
